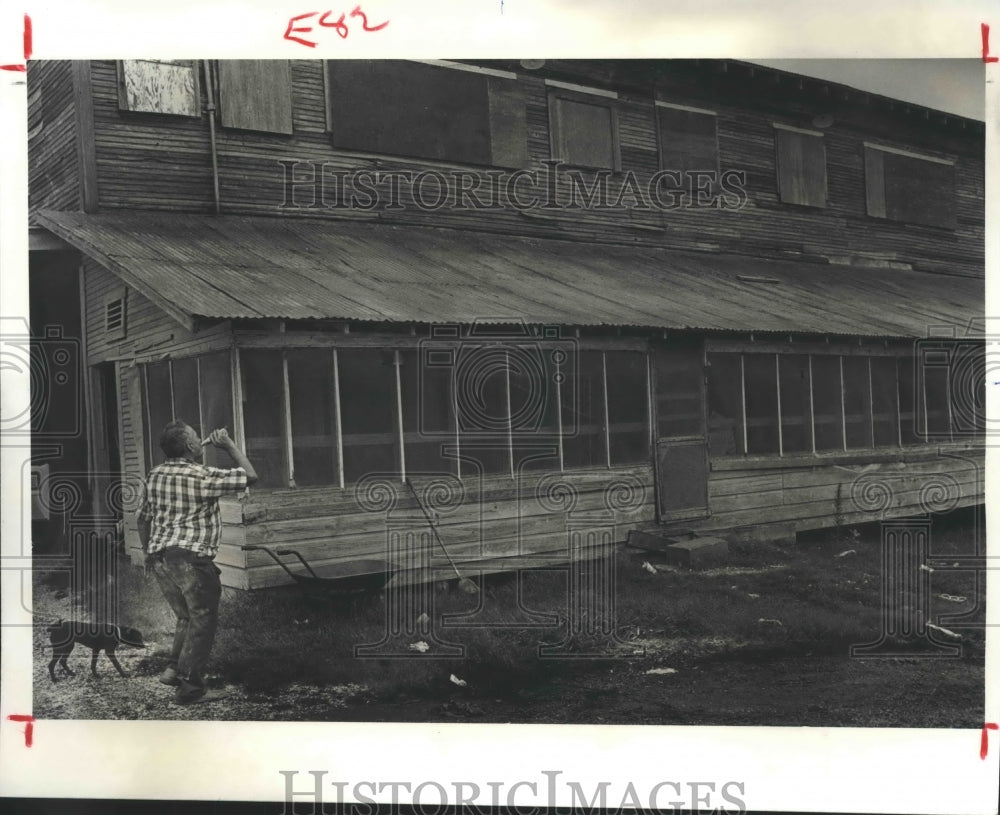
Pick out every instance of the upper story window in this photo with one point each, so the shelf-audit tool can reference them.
(908, 187)
(801, 163)
(688, 139)
(159, 86)
(583, 126)
(451, 113)
(256, 94)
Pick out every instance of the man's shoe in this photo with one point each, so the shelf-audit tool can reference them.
(170, 677)
(198, 696)
(187, 693)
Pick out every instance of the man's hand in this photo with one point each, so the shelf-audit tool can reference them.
(221, 438)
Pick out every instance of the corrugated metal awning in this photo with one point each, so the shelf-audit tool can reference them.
(296, 268)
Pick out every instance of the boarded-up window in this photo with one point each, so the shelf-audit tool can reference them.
(725, 405)
(761, 382)
(828, 406)
(910, 419)
(583, 411)
(885, 401)
(427, 111)
(368, 412)
(216, 402)
(679, 400)
(796, 414)
(256, 94)
(801, 161)
(857, 402)
(263, 415)
(628, 407)
(909, 188)
(584, 132)
(311, 406)
(159, 86)
(428, 414)
(688, 140)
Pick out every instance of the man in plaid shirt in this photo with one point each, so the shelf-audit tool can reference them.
(180, 527)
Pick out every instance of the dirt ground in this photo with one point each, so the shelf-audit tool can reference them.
(718, 657)
(779, 689)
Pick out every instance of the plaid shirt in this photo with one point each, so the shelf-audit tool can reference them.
(182, 504)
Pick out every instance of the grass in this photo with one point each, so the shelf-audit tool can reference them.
(819, 595)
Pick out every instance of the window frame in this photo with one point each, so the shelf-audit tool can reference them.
(661, 159)
(740, 350)
(876, 204)
(457, 440)
(123, 103)
(782, 130)
(588, 96)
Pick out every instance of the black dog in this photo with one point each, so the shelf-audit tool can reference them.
(96, 636)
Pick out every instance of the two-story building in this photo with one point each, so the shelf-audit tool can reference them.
(552, 296)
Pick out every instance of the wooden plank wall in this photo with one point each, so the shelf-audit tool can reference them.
(490, 528)
(53, 165)
(755, 502)
(148, 329)
(163, 162)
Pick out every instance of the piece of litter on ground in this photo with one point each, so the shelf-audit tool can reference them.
(460, 682)
(752, 596)
(952, 598)
(300, 622)
(944, 631)
(847, 552)
(769, 620)
(661, 671)
(420, 646)
(423, 619)
(649, 567)
(925, 568)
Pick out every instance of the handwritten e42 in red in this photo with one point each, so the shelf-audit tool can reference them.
(297, 25)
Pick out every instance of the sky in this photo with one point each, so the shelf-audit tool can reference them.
(951, 85)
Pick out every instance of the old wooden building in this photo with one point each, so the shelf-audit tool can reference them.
(558, 298)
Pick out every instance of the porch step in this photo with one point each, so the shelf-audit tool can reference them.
(680, 549)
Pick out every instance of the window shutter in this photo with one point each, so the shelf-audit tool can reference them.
(919, 191)
(159, 86)
(508, 123)
(687, 140)
(256, 94)
(910, 189)
(875, 182)
(801, 168)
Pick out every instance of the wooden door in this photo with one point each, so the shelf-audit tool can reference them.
(681, 440)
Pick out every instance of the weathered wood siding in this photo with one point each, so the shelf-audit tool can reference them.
(53, 165)
(761, 499)
(488, 529)
(164, 162)
(148, 331)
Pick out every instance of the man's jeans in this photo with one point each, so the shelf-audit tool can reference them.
(192, 587)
